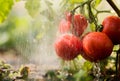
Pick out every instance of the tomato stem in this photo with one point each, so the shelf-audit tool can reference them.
(73, 12)
(112, 4)
(92, 18)
(81, 5)
(117, 63)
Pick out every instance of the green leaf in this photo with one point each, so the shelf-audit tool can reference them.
(5, 7)
(116, 47)
(87, 66)
(33, 7)
(92, 27)
(82, 75)
(17, 0)
(75, 1)
(97, 2)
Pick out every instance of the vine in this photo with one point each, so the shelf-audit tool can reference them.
(92, 17)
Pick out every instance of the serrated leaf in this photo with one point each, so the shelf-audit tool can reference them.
(5, 7)
(32, 7)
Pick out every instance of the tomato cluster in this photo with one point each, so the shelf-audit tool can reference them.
(75, 24)
(69, 46)
(93, 46)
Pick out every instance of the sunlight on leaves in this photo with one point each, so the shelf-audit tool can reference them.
(97, 2)
(76, 1)
(5, 7)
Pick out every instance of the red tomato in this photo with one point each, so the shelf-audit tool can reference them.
(68, 16)
(96, 46)
(64, 26)
(77, 25)
(80, 24)
(111, 27)
(68, 46)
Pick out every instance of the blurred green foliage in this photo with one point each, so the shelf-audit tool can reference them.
(5, 7)
(33, 7)
(26, 23)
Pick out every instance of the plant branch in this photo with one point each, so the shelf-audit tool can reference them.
(78, 7)
(112, 4)
(117, 62)
(92, 18)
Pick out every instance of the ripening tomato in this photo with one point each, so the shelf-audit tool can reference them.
(96, 46)
(68, 46)
(77, 25)
(64, 26)
(68, 16)
(80, 24)
(111, 27)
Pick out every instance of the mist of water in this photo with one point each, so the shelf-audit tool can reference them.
(34, 37)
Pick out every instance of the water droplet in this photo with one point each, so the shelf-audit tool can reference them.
(96, 71)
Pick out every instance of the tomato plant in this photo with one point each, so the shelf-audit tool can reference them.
(98, 44)
(89, 49)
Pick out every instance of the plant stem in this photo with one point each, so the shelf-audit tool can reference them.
(119, 62)
(92, 18)
(116, 63)
(73, 11)
(112, 4)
